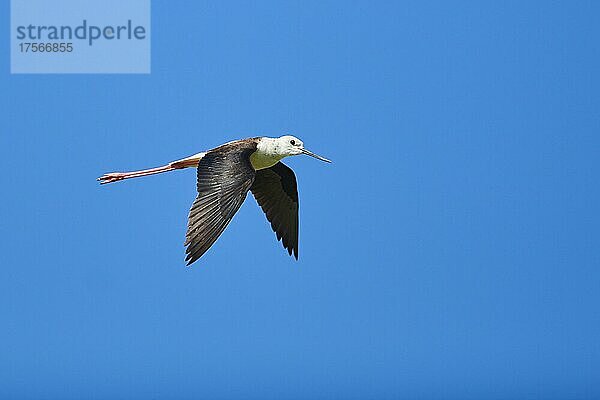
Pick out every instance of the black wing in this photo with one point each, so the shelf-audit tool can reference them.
(224, 177)
(276, 192)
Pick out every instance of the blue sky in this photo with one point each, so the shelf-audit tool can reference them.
(450, 251)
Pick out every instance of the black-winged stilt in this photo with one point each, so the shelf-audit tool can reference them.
(225, 175)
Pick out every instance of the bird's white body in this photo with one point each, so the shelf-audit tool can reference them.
(269, 152)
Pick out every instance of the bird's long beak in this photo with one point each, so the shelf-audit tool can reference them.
(310, 153)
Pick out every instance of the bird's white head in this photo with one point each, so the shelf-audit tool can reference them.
(291, 146)
(270, 150)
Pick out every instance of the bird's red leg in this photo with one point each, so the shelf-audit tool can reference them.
(188, 162)
(119, 176)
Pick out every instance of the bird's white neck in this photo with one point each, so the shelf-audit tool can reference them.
(267, 154)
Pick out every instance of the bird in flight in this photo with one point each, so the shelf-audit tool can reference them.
(225, 175)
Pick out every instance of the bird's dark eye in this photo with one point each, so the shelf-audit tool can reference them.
(292, 142)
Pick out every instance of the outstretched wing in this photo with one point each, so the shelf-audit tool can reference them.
(276, 192)
(225, 175)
